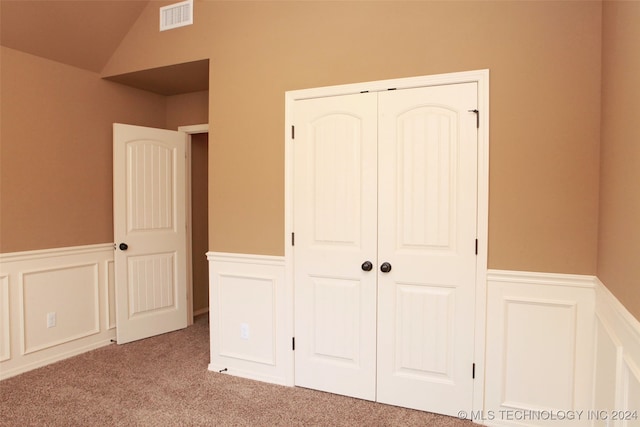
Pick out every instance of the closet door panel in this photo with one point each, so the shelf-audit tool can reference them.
(335, 200)
(427, 231)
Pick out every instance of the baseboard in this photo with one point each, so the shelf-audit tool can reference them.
(44, 361)
(249, 374)
(71, 287)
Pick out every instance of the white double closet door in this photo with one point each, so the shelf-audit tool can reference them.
(390, 179)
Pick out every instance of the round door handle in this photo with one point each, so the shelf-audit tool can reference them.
(385, 267)
(123, 246)
(367, 266)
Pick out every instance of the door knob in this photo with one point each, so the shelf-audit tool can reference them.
(123, 246)
(385, 267)
(367, 266)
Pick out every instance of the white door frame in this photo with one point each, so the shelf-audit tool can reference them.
(481, 77)
(190, 130)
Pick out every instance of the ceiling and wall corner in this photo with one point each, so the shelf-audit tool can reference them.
(168, 80)
(83, 34)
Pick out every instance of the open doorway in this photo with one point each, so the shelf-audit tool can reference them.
(160, 210)
(197, 220)
(199, 223)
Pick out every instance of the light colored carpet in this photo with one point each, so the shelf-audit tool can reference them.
(164, 381)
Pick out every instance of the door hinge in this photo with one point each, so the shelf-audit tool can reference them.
(477, 117)
(293, 343)
(476, 246)
(473, 371)
(293, 239)
(293, 132)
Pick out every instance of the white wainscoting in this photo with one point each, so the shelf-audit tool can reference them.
(560, 348)
(5, 320)
(540, 348)
(616, 397)
(249, 318)
(73, 284)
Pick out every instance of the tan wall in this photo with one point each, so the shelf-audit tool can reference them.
(619, 243)
(544, 59)
(56, 151)
(187, 109)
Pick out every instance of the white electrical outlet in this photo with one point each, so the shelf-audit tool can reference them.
(244, 331)
(51, 320)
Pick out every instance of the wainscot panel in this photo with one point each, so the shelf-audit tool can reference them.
(5, 320)
(617, 363)
(110, 308)
(248, 323)
(539, 365)
(55, 304)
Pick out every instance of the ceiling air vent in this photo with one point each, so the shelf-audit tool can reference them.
(176, 15)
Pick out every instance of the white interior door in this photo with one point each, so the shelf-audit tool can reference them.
(388, 177)
(335, 233)
(149, 231)
(427, 202)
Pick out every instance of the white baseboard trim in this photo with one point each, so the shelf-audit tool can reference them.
(74, 285)
(248, 374)
(53, 359)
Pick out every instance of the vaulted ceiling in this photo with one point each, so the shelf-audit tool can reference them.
(85, 34)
